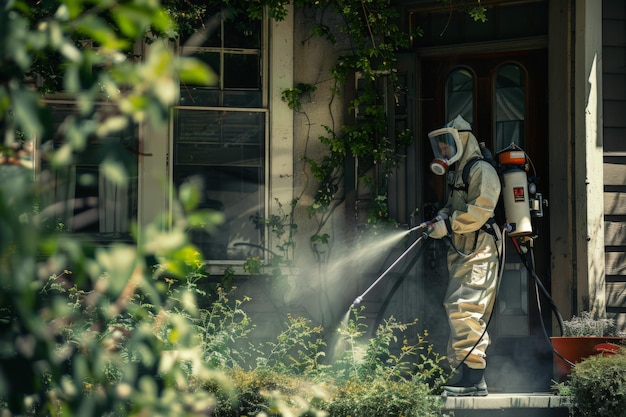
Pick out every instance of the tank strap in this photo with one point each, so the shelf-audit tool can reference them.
(491, 227)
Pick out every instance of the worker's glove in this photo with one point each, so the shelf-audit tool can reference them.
(440, 227)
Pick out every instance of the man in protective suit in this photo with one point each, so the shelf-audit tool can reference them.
(473, 258)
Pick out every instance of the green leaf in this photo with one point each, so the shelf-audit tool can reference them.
(27, 112)
(183, 260)
(194, 71)
(115, 172)
(71, 9)
(101, 32)
(162, 21)
(160, 242)
(133, 21)
(205, 219)
(189, 195)
(118, 263)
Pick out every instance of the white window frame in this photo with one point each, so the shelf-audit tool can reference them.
(155, 182)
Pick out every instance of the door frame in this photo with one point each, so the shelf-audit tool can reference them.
(536, 148)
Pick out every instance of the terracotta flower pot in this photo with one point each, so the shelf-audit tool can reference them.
(575, 349)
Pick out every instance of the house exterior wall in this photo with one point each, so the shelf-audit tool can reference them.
(614, 131)
(322, 288)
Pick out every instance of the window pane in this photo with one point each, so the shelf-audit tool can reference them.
(219, 128)
(224, 153)
(242, 32)
(239, 31)
(211, 58)
(78, 198)
(510, 107)
(194, 95)
(199, 96)
(243, 99)
(209, 37)
(242, 71)
(460, 95)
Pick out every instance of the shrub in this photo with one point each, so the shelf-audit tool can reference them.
(374, 380)
(370, 379)
(383, 398)
(598, 386)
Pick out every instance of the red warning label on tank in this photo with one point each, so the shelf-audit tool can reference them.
(518, 194)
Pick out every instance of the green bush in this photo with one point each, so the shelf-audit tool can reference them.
(371, 378)
(92, 330)
(383, 398)
(598, 386)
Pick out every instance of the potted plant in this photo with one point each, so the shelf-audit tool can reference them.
(584, 336)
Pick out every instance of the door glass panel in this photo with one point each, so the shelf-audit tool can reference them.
(510, 107)
(460, 95)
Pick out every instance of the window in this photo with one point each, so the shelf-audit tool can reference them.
(460, 95)
(510, 107)
(79, 197)
(234, 52)
(220, 137)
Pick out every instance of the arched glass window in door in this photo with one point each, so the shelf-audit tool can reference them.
(510, 107)
(460, 95)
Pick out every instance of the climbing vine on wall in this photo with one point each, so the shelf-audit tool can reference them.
(375, 38)
(371, 28)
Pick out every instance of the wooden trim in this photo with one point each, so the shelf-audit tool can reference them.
(560, 155)
(509, 45)
(437, 6)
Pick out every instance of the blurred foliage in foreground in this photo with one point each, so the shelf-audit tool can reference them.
(96, 331)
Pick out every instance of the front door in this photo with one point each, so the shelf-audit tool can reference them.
(504, 96)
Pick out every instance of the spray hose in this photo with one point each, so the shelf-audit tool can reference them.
(359, 299)
(529, 264)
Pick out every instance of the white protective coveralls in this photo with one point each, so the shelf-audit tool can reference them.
(473, 278)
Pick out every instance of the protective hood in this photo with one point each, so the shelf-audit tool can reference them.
(471, 148)
(448, 144)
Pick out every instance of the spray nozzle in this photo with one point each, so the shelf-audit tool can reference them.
(427, 223)
(356, 301)
(424, 225)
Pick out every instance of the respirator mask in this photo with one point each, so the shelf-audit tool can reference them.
(447, 149)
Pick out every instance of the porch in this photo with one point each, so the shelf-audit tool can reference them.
(508, 405)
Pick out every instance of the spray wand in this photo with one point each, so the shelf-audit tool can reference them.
(425, 225)
(359, 299)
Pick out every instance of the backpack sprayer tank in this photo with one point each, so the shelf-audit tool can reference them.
(512, 161)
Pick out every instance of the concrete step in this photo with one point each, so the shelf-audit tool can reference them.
(508, 405)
